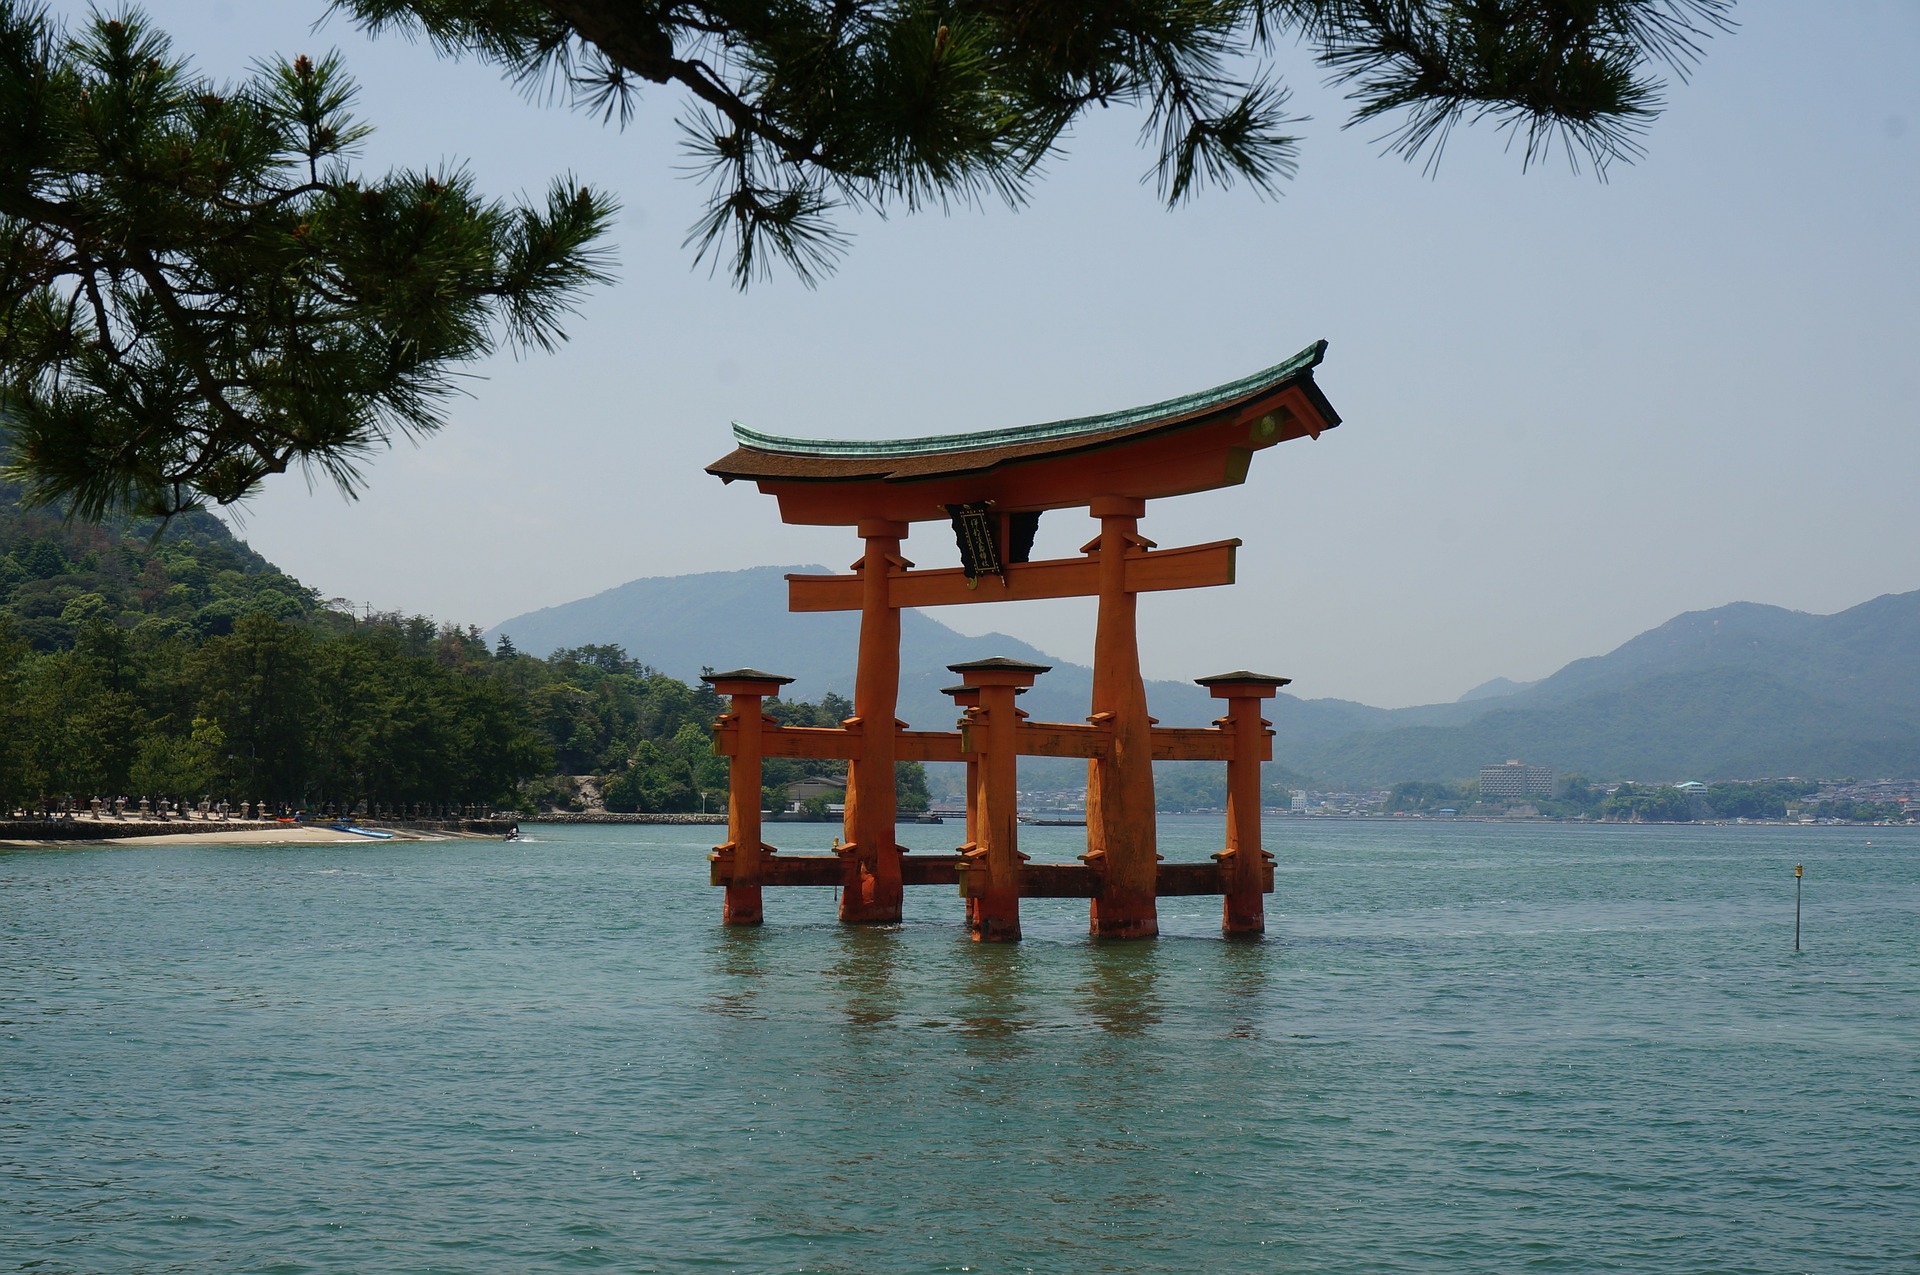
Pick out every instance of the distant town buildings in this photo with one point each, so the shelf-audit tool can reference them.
(1515, 779)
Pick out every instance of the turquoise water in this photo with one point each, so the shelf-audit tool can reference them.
(1461, 1048)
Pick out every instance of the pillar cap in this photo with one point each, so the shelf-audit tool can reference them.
(999, 671)
(964, 689)
(749, 676)
(999, 664)
(1241, 682)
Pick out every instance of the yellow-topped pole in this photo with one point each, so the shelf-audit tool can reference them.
(1798, 871)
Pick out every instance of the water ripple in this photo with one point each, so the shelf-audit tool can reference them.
(1461, 1048)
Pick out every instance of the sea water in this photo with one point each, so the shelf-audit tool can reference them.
(1466, 1047)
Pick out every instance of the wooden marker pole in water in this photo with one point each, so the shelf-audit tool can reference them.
(1797, 871)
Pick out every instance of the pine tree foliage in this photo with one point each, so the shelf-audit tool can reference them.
(197, 289)
(801, 107)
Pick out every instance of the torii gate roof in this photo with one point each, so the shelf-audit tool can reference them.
(1188, 444)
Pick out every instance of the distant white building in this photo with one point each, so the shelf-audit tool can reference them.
(1515, 779)
(1299, 805)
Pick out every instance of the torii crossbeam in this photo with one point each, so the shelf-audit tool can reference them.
(992, 486)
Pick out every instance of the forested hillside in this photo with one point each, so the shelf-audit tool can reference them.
(178, 664)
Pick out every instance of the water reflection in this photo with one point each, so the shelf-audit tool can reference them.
(1244, 981)
(867, 967)
(996, 999)
(1120, 992)
(739, 957)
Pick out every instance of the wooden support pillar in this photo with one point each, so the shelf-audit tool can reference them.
(966, 699)
(741, 859)
(870, 889)
(1121, 840)
(991, 880)
(1245, 866)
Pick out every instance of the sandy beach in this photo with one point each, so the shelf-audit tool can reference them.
(291, 834)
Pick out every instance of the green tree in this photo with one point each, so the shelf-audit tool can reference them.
(260, 689)
(1423, 795)
(1637, 803)
(802, 106)
(20, 779)
(198, 290)
(84, 720)
(178, 767)
(910, 787)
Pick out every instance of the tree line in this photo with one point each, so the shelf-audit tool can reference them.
(389, 713)
(1574, 797)
(174, 663)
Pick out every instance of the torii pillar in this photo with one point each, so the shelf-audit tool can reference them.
(870, 889)
(1120, 814)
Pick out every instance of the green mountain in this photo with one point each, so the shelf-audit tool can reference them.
(191, 579)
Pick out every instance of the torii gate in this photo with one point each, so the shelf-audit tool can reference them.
(992, 486)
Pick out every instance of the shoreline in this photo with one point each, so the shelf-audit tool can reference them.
(83, 833)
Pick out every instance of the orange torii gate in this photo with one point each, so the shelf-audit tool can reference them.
(992, 486)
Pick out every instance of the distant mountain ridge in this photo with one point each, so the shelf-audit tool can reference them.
(681, 624)
(1492, 689)
(1740, 691)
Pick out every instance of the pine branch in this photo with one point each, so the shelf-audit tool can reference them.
(198, 292)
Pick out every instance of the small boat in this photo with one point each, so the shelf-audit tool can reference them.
(1053, 823)
(375, 833)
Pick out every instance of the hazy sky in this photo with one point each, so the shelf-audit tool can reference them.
(1573, 408)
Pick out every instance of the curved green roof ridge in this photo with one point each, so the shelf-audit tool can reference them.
(1298, 365)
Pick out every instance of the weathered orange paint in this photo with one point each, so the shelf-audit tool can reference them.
(1190, 743)
(871, 889)
(966, 699)
(1120, 815)
(740, 860)
(1245, 867)
(993, 904)
(1186, 567)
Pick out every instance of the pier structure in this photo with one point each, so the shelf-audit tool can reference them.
(991, 488)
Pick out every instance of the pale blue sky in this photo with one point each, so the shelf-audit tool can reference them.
(1573, 409)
